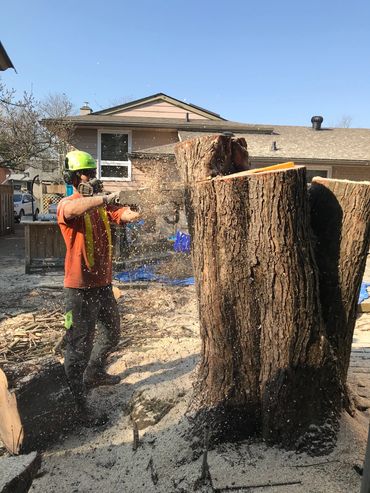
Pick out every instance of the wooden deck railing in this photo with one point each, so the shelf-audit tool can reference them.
(6, 210)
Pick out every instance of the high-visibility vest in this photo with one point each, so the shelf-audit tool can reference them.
(89, 237)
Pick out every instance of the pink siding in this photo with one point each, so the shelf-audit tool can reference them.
(144, 139)
(86, 139)
(157, 171)
(160, 109)
(356, 173)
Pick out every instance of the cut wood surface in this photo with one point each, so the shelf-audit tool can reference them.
(11, 431)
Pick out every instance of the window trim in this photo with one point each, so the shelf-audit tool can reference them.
(329, 169)
(124, 163)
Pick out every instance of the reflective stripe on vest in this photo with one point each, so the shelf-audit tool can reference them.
(104, 217)
(89, 237)
(89, 241)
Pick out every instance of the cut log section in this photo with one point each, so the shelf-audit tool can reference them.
(340, 220)
(44, 402)
(11, 431)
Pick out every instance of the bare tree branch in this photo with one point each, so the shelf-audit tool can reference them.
(22, 137)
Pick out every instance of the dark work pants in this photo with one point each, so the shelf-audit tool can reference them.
(84, 309)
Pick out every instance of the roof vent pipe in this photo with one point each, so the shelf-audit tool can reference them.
(187, 117)
(273, 146)
(316, 122)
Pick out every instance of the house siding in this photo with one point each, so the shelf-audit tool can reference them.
(4, 172)
(86, 140)
(160, 109)
(145, 139)
(148, 173)
(356, 173)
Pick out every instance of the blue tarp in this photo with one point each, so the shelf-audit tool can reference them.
(146, 273)
(182, 242)
(364, 295)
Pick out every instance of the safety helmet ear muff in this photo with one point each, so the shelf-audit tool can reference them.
(67, 173)
(68, 177)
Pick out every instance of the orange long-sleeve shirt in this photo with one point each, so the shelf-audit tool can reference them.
(88, 261)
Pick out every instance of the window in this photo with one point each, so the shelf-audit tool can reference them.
(113, 155)
(311, 171)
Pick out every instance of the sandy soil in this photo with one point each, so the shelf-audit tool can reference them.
(156, 360)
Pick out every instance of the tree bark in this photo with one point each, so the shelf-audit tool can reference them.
(267, 365)
(340, 220)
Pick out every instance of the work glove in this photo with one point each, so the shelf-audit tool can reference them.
(111, 198)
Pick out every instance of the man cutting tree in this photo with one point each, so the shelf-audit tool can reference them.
(84, 220)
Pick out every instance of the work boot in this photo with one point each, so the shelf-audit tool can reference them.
(88, 417)
(100, 378)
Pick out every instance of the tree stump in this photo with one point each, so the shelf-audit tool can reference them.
(267, 363)
(340, 220)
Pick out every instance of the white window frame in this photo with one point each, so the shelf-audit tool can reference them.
(114, 163)
(329, 169)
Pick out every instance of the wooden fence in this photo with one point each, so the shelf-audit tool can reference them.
(6, 210)
(44, 247)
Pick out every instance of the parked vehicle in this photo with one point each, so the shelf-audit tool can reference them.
(23, 205)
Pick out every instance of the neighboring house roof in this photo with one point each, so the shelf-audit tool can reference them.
(18, 177)
(5, 61)
(93, 120)
(160, 97)
(294, 142)
(346, 145)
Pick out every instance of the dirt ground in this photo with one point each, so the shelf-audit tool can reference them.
(156, 359)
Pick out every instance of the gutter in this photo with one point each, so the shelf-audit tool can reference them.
(308, 161)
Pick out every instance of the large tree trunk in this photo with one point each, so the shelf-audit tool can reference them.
(267, 364)
(340, 220)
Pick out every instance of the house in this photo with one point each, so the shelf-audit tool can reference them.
(134, 142)
(5, 61)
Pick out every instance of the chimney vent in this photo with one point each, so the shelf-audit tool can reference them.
(316, 122)
(273, 146)
(85, 109)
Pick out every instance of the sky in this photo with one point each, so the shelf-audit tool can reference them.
(260, 62)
